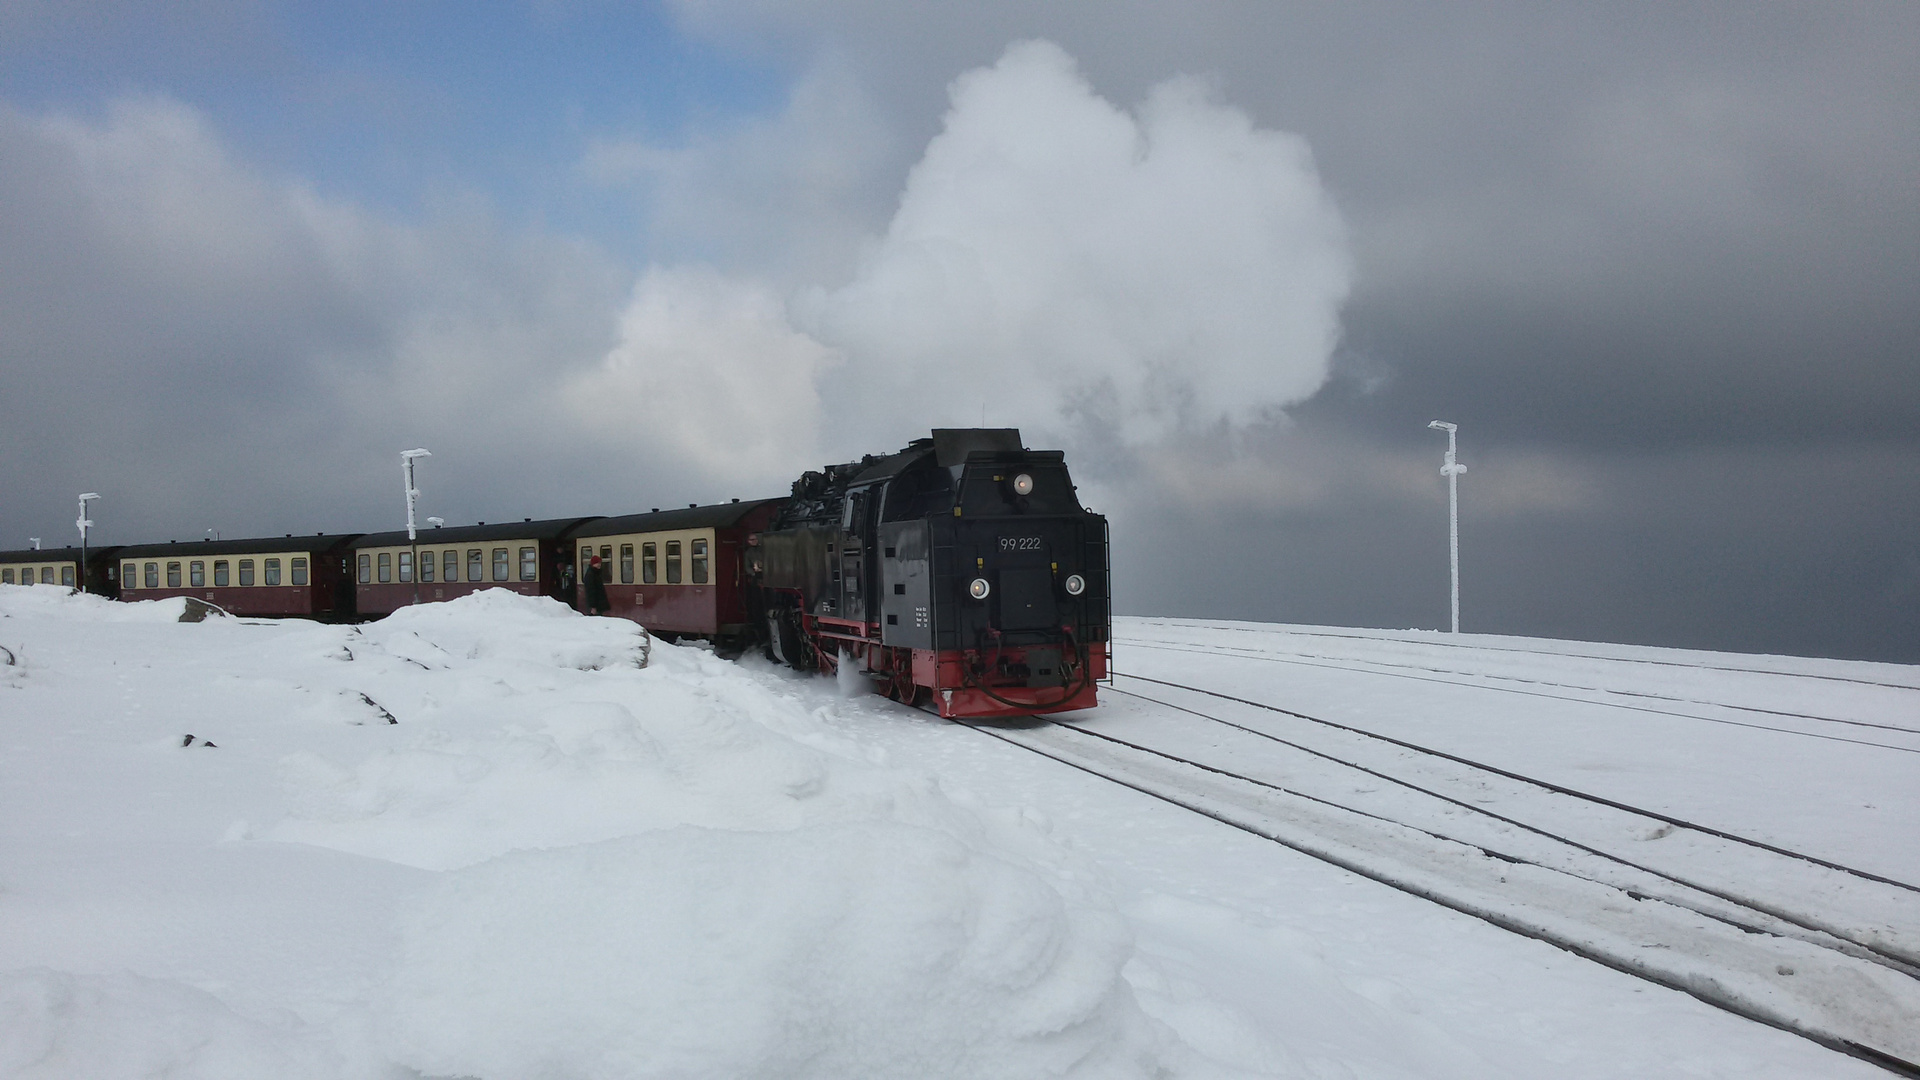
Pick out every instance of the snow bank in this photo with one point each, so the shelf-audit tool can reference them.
(47, 602)
(58, 1026)
(679, 871)
(859, 950)
(497, 625)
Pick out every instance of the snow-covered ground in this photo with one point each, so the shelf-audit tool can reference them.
(475, 839)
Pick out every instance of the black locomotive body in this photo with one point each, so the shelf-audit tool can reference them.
(962, 572)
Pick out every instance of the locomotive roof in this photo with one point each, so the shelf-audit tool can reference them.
(546, 529)
(69, 553)
(312, 542)
(948, 447)
(718, 516)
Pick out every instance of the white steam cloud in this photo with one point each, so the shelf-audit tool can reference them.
(1056, 263)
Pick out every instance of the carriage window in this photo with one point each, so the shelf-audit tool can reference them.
(385, 562)
(66, 576)
(299, 571)
(499, 564)
(476, 565)
(272, 569)
(451, 565)
(529, 564)
(6, 576)
(129, 575)
(699, 562)
(197, 574)
(220, 578)
(426, 566)
(626, 564)
(649, 563)
(406, 566)
(586, 555)
(173, 575)
(673, 562)
(246, 571)
(153, 575)
(366, 568)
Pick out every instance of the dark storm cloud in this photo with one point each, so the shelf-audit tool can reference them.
(210, 347)
(1658, 261)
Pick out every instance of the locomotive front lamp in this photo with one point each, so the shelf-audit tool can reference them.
(1023, 484)
(1076, 584)
(979, 589)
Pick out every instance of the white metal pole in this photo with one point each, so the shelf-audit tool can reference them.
(413, 538)
(84, 525)
(1451, 469)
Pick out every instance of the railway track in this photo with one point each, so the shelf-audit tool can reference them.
(1479, 681)
(1827, 951)
(1480, 646)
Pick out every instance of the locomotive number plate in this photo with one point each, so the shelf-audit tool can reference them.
(1019, 543)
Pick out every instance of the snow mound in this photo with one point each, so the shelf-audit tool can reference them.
(58, 1026)
(877, 949)
(496, 625)
(62, 605)
(568, 774)
(680, 871)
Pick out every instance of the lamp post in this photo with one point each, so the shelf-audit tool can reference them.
(413, 538)
(84, 524)
(1451, 469)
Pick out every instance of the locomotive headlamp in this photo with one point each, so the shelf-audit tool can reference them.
(979, 589)
(1023, 484)
(1076, 584)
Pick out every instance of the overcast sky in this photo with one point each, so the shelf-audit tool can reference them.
(1661, 263)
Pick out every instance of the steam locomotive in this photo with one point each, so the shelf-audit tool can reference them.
(961, 574)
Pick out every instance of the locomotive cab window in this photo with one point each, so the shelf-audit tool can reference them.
(366, 568)
(220, 573)
(673, 562)
(197, 574)
(246, 571)
(700, 562)
(299, 571)
(626, 564)
(649, 564)
(529, 564)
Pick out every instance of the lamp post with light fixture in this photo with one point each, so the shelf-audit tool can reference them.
(84, 524)
(1451, 469)
(413, 494)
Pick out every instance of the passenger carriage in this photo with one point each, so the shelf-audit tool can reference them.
(677, 572)
(528, 557)
(60, 566)
(276, 576)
